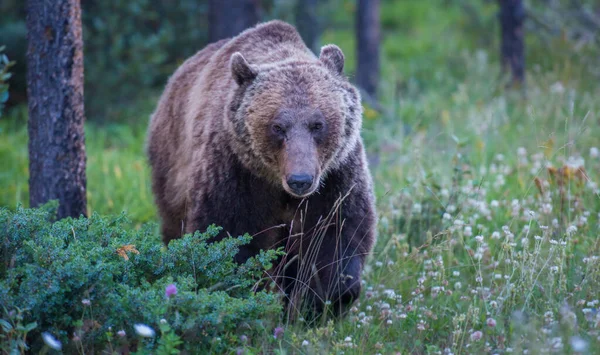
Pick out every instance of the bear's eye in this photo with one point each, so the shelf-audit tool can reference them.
(277, 129)
(317, 126)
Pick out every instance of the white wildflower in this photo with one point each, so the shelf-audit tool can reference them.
(51, 341)
(144, 330)
(578, 344)
(468, 231)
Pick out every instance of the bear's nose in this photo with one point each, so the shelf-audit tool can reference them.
(300, 183)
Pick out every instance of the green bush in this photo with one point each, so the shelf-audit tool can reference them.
(89, 281)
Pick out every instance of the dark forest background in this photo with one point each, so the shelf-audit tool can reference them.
(131, 47)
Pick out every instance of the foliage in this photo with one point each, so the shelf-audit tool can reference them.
(84, 280)
(130, 48)
(133, 46)
(5, 65)
(487, 201)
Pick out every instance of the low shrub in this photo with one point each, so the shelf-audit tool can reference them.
(94, 284)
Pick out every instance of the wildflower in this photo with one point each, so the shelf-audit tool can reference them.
(456, 273)
(390, 293)
(594, 153)
(578, 344)
(468, 231)
(51, 341)
(556, 343)
(491, 322)
(170, 291)
(86, 302)
(278, 333)
(571, 230)
(476, 336)
(417, 208)
(348, 340)
(121, 333)
(163, 321)
(144, 330)
(305, 343)
(557, 88)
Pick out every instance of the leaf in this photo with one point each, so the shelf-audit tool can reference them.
(7, 327)
(31, 326)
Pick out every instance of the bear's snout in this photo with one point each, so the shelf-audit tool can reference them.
(300, 183)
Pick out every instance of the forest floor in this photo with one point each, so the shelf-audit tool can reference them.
(488, 200)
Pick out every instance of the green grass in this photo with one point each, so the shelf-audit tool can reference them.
(118, 176)
(455, 156)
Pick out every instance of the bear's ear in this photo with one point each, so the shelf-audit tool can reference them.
(240, 69)
(333, 58)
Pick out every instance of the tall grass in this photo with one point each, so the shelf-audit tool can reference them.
(488, 201)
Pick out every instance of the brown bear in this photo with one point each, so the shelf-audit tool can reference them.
(257, 135)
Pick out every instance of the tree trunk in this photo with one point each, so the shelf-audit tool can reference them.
(56, 117)
(512, 47)
(227, 18)
(307, 23)
(368, 38)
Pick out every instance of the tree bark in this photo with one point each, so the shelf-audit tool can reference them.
(512, 45)
(307, 23)
(368, 38)
(227, 18)
(56, 116)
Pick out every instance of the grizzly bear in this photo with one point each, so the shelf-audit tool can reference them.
(257, 135)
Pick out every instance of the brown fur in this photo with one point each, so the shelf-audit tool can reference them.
(235, 122)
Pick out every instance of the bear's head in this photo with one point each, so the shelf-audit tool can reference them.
(294, 120)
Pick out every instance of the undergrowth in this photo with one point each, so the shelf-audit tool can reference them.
(488, 203)
(96, 284)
